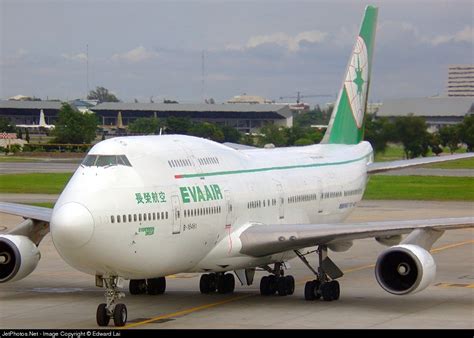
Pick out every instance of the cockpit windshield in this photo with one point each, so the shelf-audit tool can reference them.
(105, 161)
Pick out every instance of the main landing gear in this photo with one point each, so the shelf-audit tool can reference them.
(154, 286)
(277, 282)
(324, 285)
(110, 309)
(220, 281)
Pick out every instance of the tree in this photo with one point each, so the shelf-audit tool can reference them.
(378, 132)
(74, 127)
(145, 126)
(207, 130)
(273, 134)
(27, 136)
(6, 125)
(178, 125)
(466, 131)
(411, 132)
(102, 95)
(449, 136)
(19, 134)
(231, 134)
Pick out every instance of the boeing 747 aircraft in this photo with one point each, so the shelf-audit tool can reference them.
(142, 208)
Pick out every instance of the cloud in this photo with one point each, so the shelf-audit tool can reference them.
(135, 55)
(80, 57)
(464, 35)
(292, 43)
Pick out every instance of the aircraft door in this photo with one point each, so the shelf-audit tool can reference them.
(176, 215)
(280, 201)
(229, 209)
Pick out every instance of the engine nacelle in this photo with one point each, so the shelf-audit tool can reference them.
(19, 256)
(405, 269)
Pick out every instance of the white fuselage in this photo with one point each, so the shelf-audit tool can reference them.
(184, 201)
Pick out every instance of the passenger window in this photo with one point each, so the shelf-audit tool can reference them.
(112, 219)
(134, 217)
(167, 215)
(139, 217)
(129, 217)
(144, 217)
(118, 218)
(124, 217)
(162, 215)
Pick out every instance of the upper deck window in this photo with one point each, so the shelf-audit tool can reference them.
(105, 160)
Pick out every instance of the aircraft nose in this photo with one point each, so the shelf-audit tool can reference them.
(72, 225)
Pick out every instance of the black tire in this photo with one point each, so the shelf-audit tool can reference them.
(212, 282)
(120, 315)
(137, 286)
(290, 285)
(317, 289)
(102, 316)
(221, 284)
(327, 291)
(309, 293)
(281, 286)
(204, 284)
(229, 282)
(272, 284)
(264, 286)
(336, 290)
(156, 286)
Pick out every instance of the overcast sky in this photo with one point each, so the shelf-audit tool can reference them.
(139, 49)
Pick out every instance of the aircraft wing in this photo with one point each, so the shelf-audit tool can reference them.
(378, 167)
(237, 146)
(27, 211)
(262, 239)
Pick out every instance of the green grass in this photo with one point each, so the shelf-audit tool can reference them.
(428, 188)
(18, 159)
(42, 204)
(34, 183)
(467, 163)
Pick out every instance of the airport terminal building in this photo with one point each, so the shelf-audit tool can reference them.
(112, 115)
(437, 111)
(244, 117)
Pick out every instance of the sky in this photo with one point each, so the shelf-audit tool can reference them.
(144, 49)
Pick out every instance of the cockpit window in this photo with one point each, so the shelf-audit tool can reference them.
(105, 160)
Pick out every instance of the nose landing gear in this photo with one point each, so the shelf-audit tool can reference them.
(110, 309)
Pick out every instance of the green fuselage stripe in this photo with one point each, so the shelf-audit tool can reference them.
(247, 171)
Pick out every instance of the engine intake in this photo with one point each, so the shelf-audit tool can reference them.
(405, 269)
(19, 256)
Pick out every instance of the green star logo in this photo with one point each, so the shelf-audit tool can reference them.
(359, 81)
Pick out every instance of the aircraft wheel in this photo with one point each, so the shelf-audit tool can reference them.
(264, 286)
(336, 290)
(290, 285)
(327, 291)
(282, 286)
(229, 282)
(156, 286)
(204, 284)
(137, 286)
(102, 316)
(120, 315)
(272, 284)
(309, 289)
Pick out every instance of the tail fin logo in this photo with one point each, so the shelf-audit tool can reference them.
(356, 81)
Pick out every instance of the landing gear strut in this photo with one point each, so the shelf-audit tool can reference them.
(324, 285)
(110, 309)
(277, 282)
(222, 282)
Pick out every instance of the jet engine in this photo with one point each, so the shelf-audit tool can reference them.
(19, 256)
(404, 269)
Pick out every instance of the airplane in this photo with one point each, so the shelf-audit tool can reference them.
(141, 208)
(41, 124)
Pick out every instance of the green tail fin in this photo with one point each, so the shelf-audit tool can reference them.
(347, 120)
